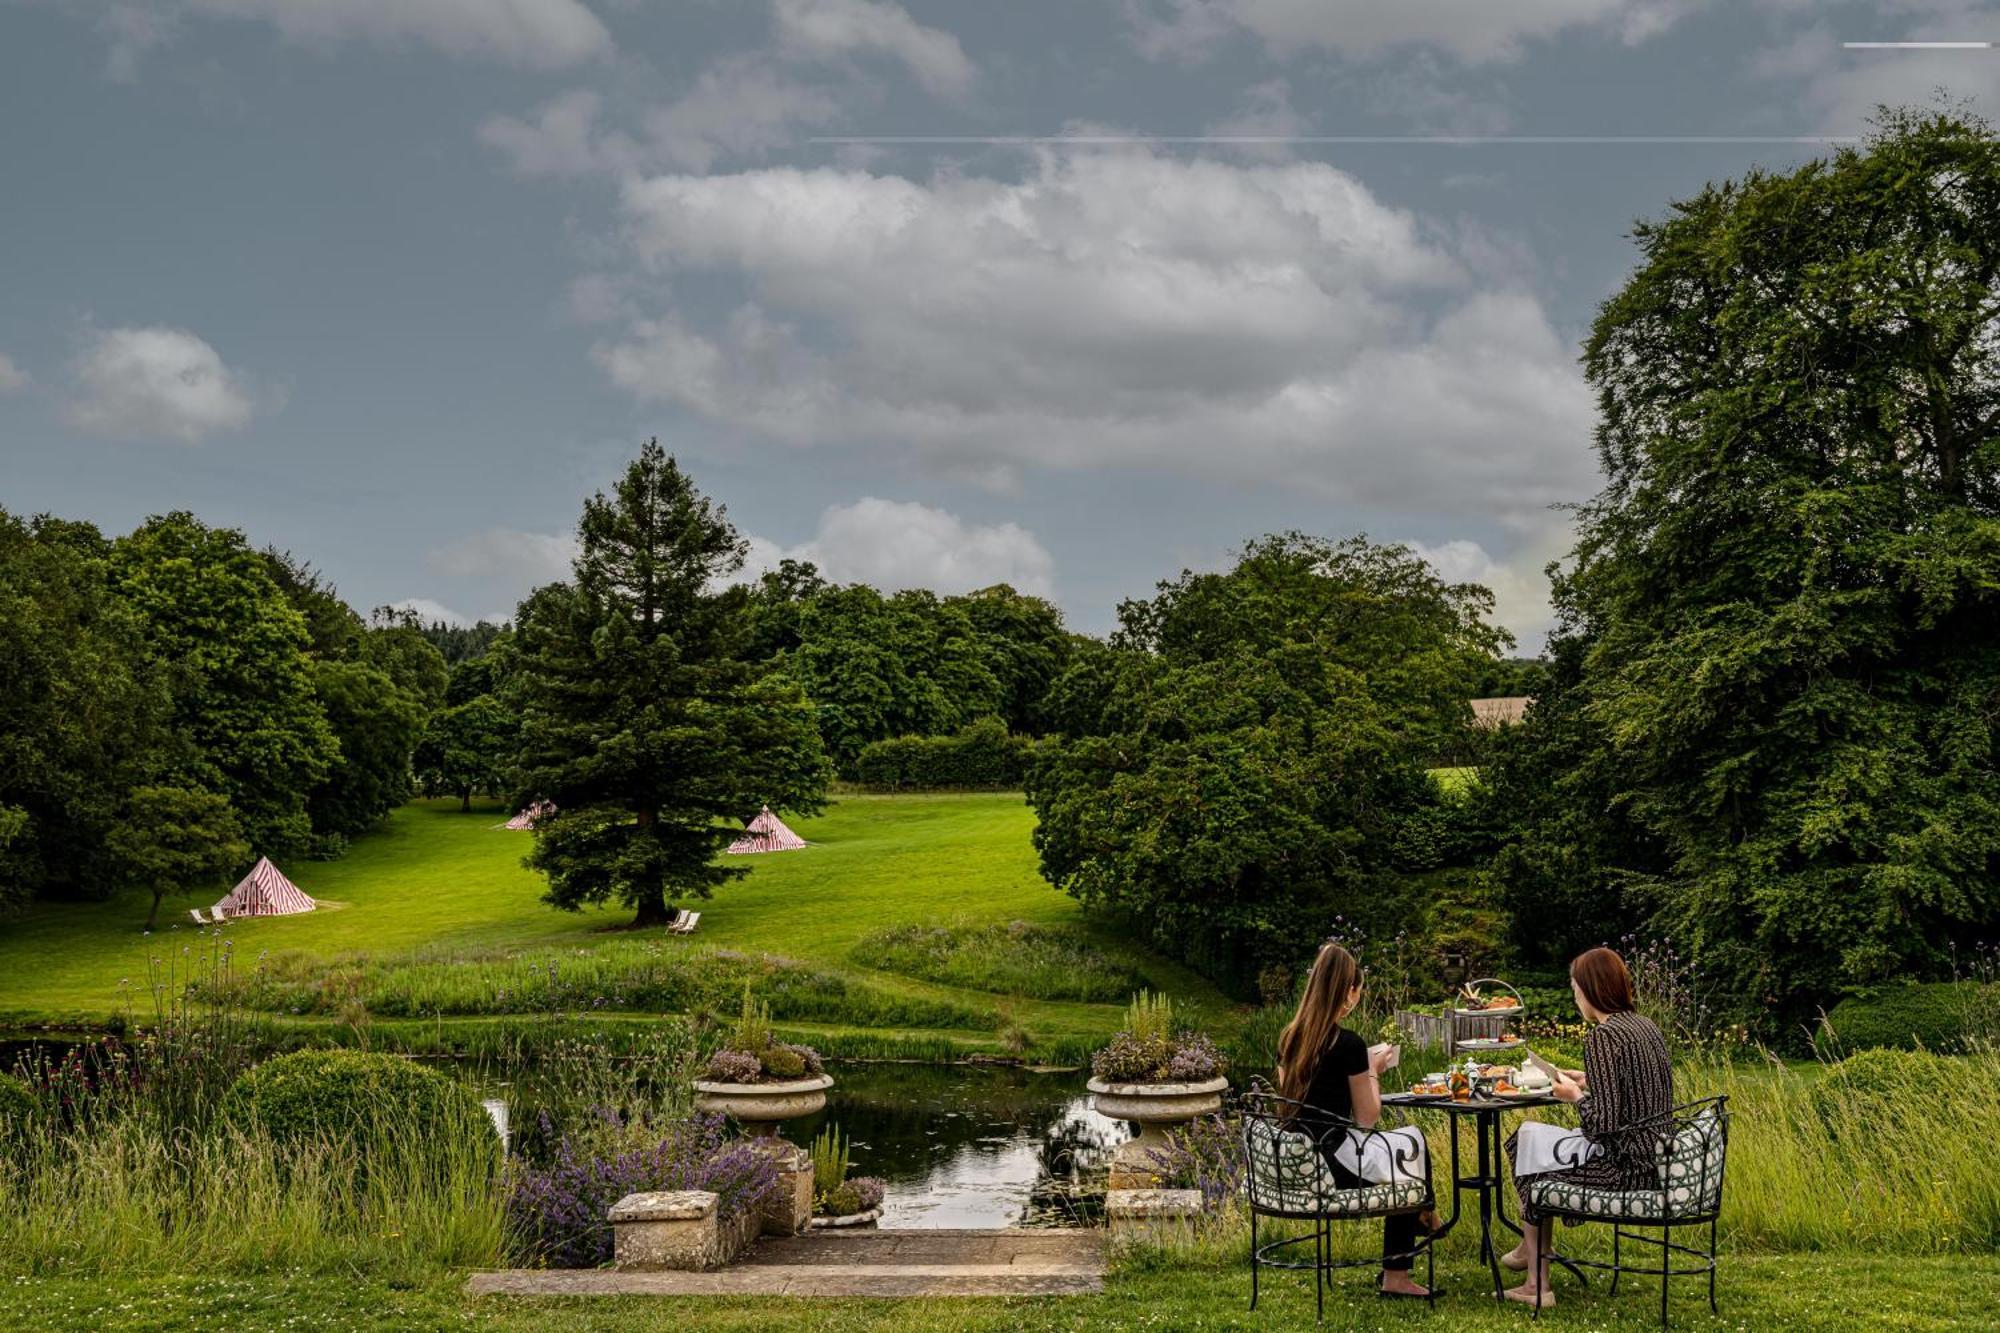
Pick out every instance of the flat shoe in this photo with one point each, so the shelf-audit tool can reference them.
(1387, 1295)
(1509, 1262)
(1543, 1301)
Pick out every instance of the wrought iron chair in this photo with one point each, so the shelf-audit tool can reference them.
(1287, 1176)
(1693, 1144)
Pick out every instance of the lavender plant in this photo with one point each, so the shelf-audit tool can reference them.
(556, 1216)
(1204, 1154)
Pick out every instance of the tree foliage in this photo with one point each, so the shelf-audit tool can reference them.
(1243, 759)
(82, 708)
(176, 840)
(1787, 596)
(234, 652)
(468, 749)
(642, 716)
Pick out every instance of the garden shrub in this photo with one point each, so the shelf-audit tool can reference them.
(983, 754)
(1934, 1016)
(856, 1195)
(325, 1094)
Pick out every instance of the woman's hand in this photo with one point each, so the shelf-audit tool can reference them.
(1379, 1059)
(1566, 1090)
(1577, 1077)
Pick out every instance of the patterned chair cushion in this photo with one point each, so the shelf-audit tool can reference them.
(1690, 1181)
(1287, 1175)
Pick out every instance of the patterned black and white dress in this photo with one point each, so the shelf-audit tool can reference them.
(1631, 1081)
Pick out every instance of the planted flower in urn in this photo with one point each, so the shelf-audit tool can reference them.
(1155, 1077)
(758, 1080)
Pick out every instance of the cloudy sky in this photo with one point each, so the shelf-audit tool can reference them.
(1067, 293)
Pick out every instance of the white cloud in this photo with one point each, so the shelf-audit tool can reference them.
(1518, 582)
(535, 34)
(1843, 89)
(13, 379)
(529, 558)
(896, 544)
(428, 611)
(1272, 324)
(1264, 112)
(827, 29)
(156, 383)
(1471, 30)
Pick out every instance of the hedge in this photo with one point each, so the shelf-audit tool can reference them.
(1934, 1016)
(363, 1096)
(984, 754)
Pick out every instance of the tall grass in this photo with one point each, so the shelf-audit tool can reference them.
(1041, 962)
(127, 1196)
(630, 975)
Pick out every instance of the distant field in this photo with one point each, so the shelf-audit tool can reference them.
(443, 882)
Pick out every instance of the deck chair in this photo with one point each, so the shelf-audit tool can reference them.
(687, 923)
(199, 919)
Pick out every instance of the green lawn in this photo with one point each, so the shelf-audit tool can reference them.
(437, 880)
(1834, 1293)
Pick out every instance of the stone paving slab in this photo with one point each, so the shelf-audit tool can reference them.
(877, 1263)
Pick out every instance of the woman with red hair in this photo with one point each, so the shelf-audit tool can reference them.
(1626, 1081)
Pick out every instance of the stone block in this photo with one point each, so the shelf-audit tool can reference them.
(1150, 1214)
(674, 1229)
(790, 1210)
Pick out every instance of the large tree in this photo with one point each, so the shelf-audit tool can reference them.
(219, 627)
(466, 749)
(82, 708)
(175, 840)
(1249, 741)
(1790, 585)
(642, 715)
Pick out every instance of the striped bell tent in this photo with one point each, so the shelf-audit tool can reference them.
(264, 892)
(527, 818)
(767, 833)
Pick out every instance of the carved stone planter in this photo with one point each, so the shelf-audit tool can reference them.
(758, 1107)
(1155, 1108)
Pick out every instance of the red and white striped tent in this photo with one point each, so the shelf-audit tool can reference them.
(767, 833)
(265, 892)
(527, 818)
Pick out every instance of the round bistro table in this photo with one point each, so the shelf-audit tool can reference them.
(1489, 1180)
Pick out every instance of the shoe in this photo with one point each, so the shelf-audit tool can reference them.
(1509, 1262)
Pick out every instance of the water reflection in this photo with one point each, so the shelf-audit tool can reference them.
(969, 1147)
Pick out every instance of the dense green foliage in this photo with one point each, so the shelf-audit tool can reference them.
(1784, 607)
(1937, 1016)
(982, 754)
(234, 652)
(642, 718)
(174, 838)
(314, 1096)
(467, 749)
(1012, 959)
(17, 1104)
(82, 709)
(1242, 759)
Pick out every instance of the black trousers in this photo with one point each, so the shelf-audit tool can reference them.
(1399, 1230)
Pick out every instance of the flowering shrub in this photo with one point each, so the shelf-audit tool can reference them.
(751, 1054)
(557, 1216)
(1147, 1050)
(1204, 1154)
(727, 1066)
(856, 1195)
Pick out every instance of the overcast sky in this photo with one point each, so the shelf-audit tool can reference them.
(395, 283)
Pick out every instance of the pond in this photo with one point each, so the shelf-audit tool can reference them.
(971, 1146)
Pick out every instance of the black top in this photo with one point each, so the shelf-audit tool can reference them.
(1329, 1090)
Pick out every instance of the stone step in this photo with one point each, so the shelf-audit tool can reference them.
(870, 1263)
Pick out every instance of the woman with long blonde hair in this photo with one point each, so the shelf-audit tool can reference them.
(1328, 1069)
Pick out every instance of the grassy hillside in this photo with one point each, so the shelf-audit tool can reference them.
(449, 888)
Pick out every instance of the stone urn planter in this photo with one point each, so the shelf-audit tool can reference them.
(1155, 1108)
(758, 1107)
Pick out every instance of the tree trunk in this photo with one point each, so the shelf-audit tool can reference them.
(153, 917)
(652, 909)
(465, 801)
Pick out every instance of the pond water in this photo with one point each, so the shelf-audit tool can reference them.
(968, 1146)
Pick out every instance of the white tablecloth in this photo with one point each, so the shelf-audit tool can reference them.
(1372, 1155)
(1535, 1151)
